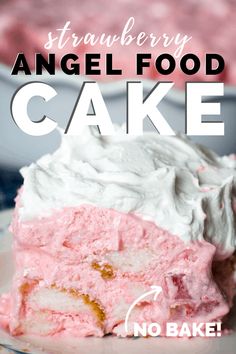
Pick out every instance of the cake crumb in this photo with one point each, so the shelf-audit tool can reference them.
(26, 287)
(96, 308)
(106, 270)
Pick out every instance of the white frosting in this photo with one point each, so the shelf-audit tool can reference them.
(183, 188)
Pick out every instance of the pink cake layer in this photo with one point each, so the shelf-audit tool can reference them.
(79, 270)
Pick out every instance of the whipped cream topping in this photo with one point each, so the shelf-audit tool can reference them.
(183, 188)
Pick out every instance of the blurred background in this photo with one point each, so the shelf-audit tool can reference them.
(10, 181)
(24, 27)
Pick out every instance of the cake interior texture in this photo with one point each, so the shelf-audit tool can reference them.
(78, 272)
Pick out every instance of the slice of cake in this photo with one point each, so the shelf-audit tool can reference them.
(103, 220)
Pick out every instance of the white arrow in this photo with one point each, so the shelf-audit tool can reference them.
(156, 290)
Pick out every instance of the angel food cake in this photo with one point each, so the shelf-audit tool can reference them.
(103, 219)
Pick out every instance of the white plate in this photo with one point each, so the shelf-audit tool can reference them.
(109, 344)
